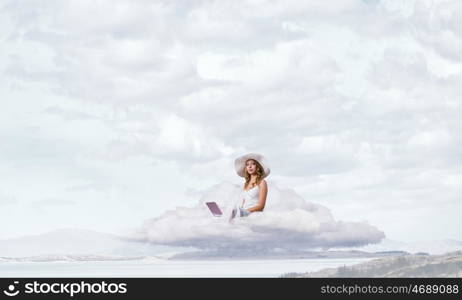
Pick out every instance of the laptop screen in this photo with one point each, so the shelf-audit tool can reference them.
(214, 208)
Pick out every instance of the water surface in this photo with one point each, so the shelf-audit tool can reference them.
(171, 268)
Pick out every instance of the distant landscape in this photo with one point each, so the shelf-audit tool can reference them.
(93, 253)
(416, 265)
(212, 255)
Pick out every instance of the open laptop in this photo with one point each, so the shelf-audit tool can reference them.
(216, 211)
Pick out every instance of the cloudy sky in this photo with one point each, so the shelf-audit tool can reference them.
(116, 112)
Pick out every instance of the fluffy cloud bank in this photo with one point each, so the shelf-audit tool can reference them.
(288, 222)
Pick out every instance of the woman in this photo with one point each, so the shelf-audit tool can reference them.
(254, 168)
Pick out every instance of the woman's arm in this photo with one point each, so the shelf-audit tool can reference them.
(261, 197)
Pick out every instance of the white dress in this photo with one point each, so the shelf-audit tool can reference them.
(249, 197)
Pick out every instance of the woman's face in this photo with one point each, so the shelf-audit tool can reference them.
(251, 167)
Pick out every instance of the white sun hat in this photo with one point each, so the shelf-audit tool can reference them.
(239, 163)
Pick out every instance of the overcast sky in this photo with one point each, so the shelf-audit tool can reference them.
(114, 112)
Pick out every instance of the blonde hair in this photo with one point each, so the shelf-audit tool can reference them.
(259, 172)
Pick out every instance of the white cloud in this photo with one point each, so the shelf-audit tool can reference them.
(287, 222)
(7, 199)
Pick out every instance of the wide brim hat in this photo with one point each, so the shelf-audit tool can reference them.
(239, 163)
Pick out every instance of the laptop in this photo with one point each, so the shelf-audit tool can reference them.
(216, 211)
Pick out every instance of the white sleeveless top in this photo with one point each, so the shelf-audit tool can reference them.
(249, 197)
